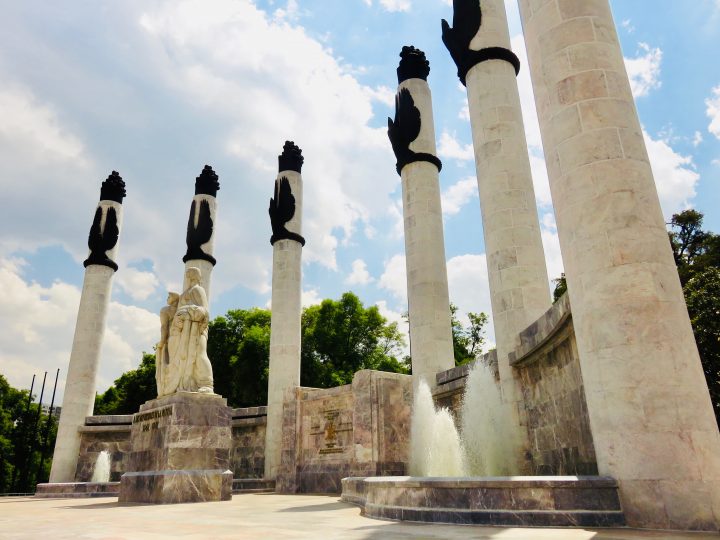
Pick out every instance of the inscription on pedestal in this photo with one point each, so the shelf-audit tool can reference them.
(150, 420)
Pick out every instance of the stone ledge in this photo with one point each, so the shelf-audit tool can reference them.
(249, 412)
(541, 331)
(106, 428)
(528, 501)
(109, 419)
(75, 490)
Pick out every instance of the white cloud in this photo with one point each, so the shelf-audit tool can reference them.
(697, 139)
(675, 175)
(538, 169)
(359, 274)
(394, 278)
(644, 70)
(551, 246)
(310, 298)
(381, 94)
(450, 147)
(469, 288)
(41, 163)
(25, 118)
(393, 5)
(136, 283)
(458, 195)
(262, 66)
(713, 112)
(628, 26)
(402, 324)
(396, 5)
(39, 324)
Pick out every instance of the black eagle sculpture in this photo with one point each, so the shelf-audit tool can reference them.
(405, 129)
(101, 240)
(467, 18)
(282, 210)
(199, 234)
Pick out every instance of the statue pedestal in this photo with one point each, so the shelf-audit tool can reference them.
(180, 451)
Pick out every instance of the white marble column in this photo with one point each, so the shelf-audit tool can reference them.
(650, 413)
(79, 396)
(287, 242)
(519, 290)
(200, 230)
(412, 134)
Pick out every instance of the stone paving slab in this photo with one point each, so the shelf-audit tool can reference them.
(255, 516)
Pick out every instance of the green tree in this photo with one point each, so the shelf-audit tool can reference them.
(560, 287)
(467, 341)
(340, 337)
(702, 294)
(22, 436)
(239, 347)
(693, 248)
(130, 390)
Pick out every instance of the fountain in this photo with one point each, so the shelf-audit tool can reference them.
(98, 486)
(435, 446)
(453, 473)
(101, 471)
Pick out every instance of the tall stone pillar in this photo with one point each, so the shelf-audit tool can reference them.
(100, 266)
(650, 413)
(200, 237)
(284, 372)
(519, 291)
(412, 135)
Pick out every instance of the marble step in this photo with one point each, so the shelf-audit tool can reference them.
(75, 490)
(253, 485)
(535, 501)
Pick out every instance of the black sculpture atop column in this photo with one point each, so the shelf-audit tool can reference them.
(467, 18)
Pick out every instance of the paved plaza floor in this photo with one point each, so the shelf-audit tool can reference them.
(257, 517)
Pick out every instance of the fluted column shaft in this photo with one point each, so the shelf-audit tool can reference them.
(650, 413)
(517, 275)
(80, 384)
(285, 333)
(431, 347)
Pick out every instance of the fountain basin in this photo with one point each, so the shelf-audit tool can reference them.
(535, 501)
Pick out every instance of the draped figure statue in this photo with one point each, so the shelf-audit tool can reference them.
(184, 364)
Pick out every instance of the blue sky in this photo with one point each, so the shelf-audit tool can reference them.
(157, 89)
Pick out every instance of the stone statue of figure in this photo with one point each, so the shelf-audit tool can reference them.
(162, 356)
(188, 368)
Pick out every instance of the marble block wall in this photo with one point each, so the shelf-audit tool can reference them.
(360, 429)
(110, 433)
(247, 454)
(552, 395)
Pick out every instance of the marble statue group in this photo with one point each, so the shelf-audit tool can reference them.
(182, 363)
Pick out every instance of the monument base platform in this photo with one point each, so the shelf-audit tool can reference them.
(180, 451)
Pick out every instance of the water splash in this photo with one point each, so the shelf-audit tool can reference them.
(435, 447)
(484, 445)
(485, 428)
(101, 471)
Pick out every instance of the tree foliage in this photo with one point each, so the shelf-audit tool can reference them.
(339, 337)
(697, 255)
(467, 341)
(22, 437)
